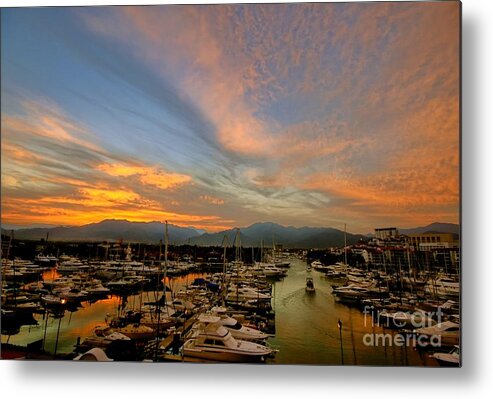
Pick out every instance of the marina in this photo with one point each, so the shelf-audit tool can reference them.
(284, 309)
(232, 183)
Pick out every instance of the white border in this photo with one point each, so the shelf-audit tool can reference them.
(54, 379)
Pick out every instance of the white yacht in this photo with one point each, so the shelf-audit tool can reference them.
(236, 329)
(109, 334)
(94, 355)
(103, 336)
(315, 264)
(448, 333)
(451, 359)
(245, 293)
(214, 342)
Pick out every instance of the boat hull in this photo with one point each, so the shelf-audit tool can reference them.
(217, 356)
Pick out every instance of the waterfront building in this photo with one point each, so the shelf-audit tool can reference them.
(386, 232)
(432, 240)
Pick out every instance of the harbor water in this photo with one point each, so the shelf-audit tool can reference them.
(307, 330)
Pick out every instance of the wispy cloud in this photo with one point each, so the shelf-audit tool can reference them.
(53, 172)
(297, 113)
(146, 175)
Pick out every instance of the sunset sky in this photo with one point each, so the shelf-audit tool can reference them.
(222, 116)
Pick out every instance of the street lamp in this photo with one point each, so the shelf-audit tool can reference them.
(339, 326)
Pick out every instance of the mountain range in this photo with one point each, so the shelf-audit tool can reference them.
(109, 230)
(434, 228)
(253, 235)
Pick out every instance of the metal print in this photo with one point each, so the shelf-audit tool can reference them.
(271, 183)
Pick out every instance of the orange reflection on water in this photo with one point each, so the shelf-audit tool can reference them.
(51, 274)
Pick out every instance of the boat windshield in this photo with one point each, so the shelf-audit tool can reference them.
(236, 326)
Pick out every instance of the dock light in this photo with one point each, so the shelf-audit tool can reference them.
(63, 301)
(339, 326)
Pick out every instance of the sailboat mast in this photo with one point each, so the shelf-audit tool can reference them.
(345, 245)
(224, 289)
(166, 242)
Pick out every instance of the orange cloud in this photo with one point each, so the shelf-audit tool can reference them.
(41, 184)
(47, 120)
(94, 205)
(385, 79)
(147, 175)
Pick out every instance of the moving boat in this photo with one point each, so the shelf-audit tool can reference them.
(309, 285)
(216, 343)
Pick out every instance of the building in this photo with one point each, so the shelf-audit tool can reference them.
(432, 240)
(386, 232)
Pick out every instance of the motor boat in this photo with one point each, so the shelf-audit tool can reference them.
(241, 294)
(125, 283)
(73, 294)
(27, 306)
(72, 266)
(97, 290)
(451, 359)
(336, 276)
(215, 342)
(110, 334)
(350, 294)
(282, 264)
(52, 300)
(94, 355)
(446, 333)
(237, 330)
(136, 331)
(309, 285)
(163, 322)
(443, 287)
(273, 271)
(104, 337)
(401, 319)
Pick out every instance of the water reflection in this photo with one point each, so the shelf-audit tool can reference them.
(81, 322)
(307, 331)
(306, 324)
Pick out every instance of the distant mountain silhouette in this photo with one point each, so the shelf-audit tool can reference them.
(289, 237)
(433, 228)
(110, 230)
(253, 235)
